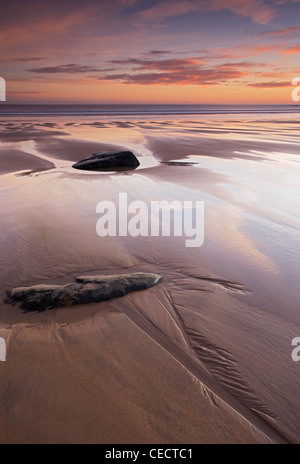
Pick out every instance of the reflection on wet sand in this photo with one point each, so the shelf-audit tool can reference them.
(208, 350)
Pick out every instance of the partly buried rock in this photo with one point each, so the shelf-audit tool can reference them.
(108, 159)
(87, 289)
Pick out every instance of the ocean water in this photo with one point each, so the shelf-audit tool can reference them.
(144, 110)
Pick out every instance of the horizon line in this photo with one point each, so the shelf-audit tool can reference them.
(149, 104)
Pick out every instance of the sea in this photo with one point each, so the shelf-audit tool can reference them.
(143, 110)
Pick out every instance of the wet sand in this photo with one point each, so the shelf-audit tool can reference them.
(203, 357)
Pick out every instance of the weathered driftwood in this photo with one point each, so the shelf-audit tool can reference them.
(87, 289)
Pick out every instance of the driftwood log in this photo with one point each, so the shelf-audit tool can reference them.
(86, 289)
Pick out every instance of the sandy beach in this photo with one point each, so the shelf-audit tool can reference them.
(202, 357)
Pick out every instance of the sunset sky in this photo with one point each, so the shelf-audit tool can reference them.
(141, 51)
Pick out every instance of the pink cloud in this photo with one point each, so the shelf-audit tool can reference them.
(269, 85)
(249, 50)
(257, 10)
(280, 32)
(65, 69)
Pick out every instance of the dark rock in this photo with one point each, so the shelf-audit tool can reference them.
(87, 289)
(108, 159)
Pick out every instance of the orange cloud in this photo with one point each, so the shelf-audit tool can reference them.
(292, 50)
(182, 71)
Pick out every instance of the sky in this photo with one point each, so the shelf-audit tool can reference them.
(159, 51)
